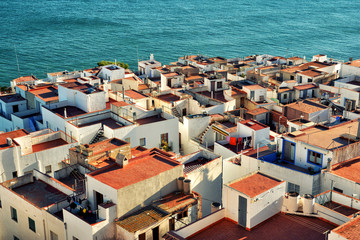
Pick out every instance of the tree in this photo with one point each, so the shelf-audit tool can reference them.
(121, 64)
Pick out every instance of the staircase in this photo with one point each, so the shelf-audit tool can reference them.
(98, 135)
(202, 135)
(177, 114)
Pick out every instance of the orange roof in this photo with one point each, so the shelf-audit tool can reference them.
(305, 66)
(306, 106)
(253, 87)
(312, 73)
(47, 94)
(106, 145)
(349, 230)
(25, 79)
(305, 86)
(348, 169)
(281, 90)
(355, 63)
(120, 104)
(295, 58)
(143, 167)
(255, 125)
(143, 86)
(258, 111)
(12, 135)
(134, 94)
(255, 184)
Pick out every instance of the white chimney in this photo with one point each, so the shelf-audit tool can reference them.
(9, 141)
(151, 57)
(65, 113)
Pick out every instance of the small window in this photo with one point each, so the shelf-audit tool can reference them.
(13, 214)
(293, 187)
(32, 225)
(53, 236)
(14, 174)
(219, 84)
(142, 236)
(292, 78)
(0, 204)
(75, 238)
(338, 190)
(285, 96)
(315, 157)
(300, 79)
(310, 80)
(48, 169)
(142, 141)
(164, 138)
(16, 238)
(15, 108)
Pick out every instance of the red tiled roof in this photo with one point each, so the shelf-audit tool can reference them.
(47, 94)
(304, 87)
(120, 104)
(253, 87)
(348, 169)
(168, 97)
(258, 111)
(144, 166)
(25, 79)
(349, 230)
(134, 94)
(255, 125)
(255, 184)
(12, 135)
(312, 73)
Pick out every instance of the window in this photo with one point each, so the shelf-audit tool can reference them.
(289, 151)
(15, 108)
(219, 85)
(164, 138)
(13, 214)
(310, 80)
(53, 236)
(142, 236)
(14, 174)
(300, 79)
(293, 187)
(314, 157)
(338, 190)
(0, 204)
(48, 169)
(285, 96)
(16, 238)
(292, 78)
(32, 225)
(182, 214)
(142, 141)
(75, 238)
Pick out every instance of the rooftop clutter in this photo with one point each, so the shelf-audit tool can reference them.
(206, 141)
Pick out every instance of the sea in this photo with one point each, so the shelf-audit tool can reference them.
(40, 36)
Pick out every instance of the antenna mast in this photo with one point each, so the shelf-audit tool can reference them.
(17, 61)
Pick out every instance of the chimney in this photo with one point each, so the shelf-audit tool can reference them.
(121, 160)
(180, 183)
(328, 165)
(65, 113)
(151, 57)
(215, 206)
(9, 141)
(187, 186)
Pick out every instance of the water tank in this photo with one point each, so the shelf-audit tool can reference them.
(187, 186)
(293, 201)
(180, 183)
(308, 204)
(215, 206)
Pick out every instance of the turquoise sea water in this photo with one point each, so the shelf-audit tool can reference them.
(54, 35)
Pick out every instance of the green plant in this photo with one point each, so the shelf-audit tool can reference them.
(121, 64)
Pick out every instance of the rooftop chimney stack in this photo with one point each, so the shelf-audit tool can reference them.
(121, 160)
(9, 141)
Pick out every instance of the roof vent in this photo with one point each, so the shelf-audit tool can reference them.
(9, 141)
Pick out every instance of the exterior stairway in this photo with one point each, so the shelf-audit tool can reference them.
(97, 136)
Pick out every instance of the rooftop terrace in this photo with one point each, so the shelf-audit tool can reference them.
(279, 227)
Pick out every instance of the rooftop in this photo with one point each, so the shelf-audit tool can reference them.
(326, 137)
(134, 94)
(148, 120)
(258, 111)
(216, 95)
(347, 169)
(47, 93)
(344, 210)
(175, 201)
(305, 86)
(305, 66)
(349, 230)
(306, 106)
(355, 63)
(106, 145)
(45, 194)
(12, 135)
(277, 227)
(49, 144)
(11, 98)
(195, 164)
(255, 125)
(84, 88)
(71, 111)
(253, 87)
(312, 73)
(25, 79)
(140, 168)
(141, 219)
(169, 97)
(254, 184)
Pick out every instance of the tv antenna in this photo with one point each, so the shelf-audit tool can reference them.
(17, 61)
